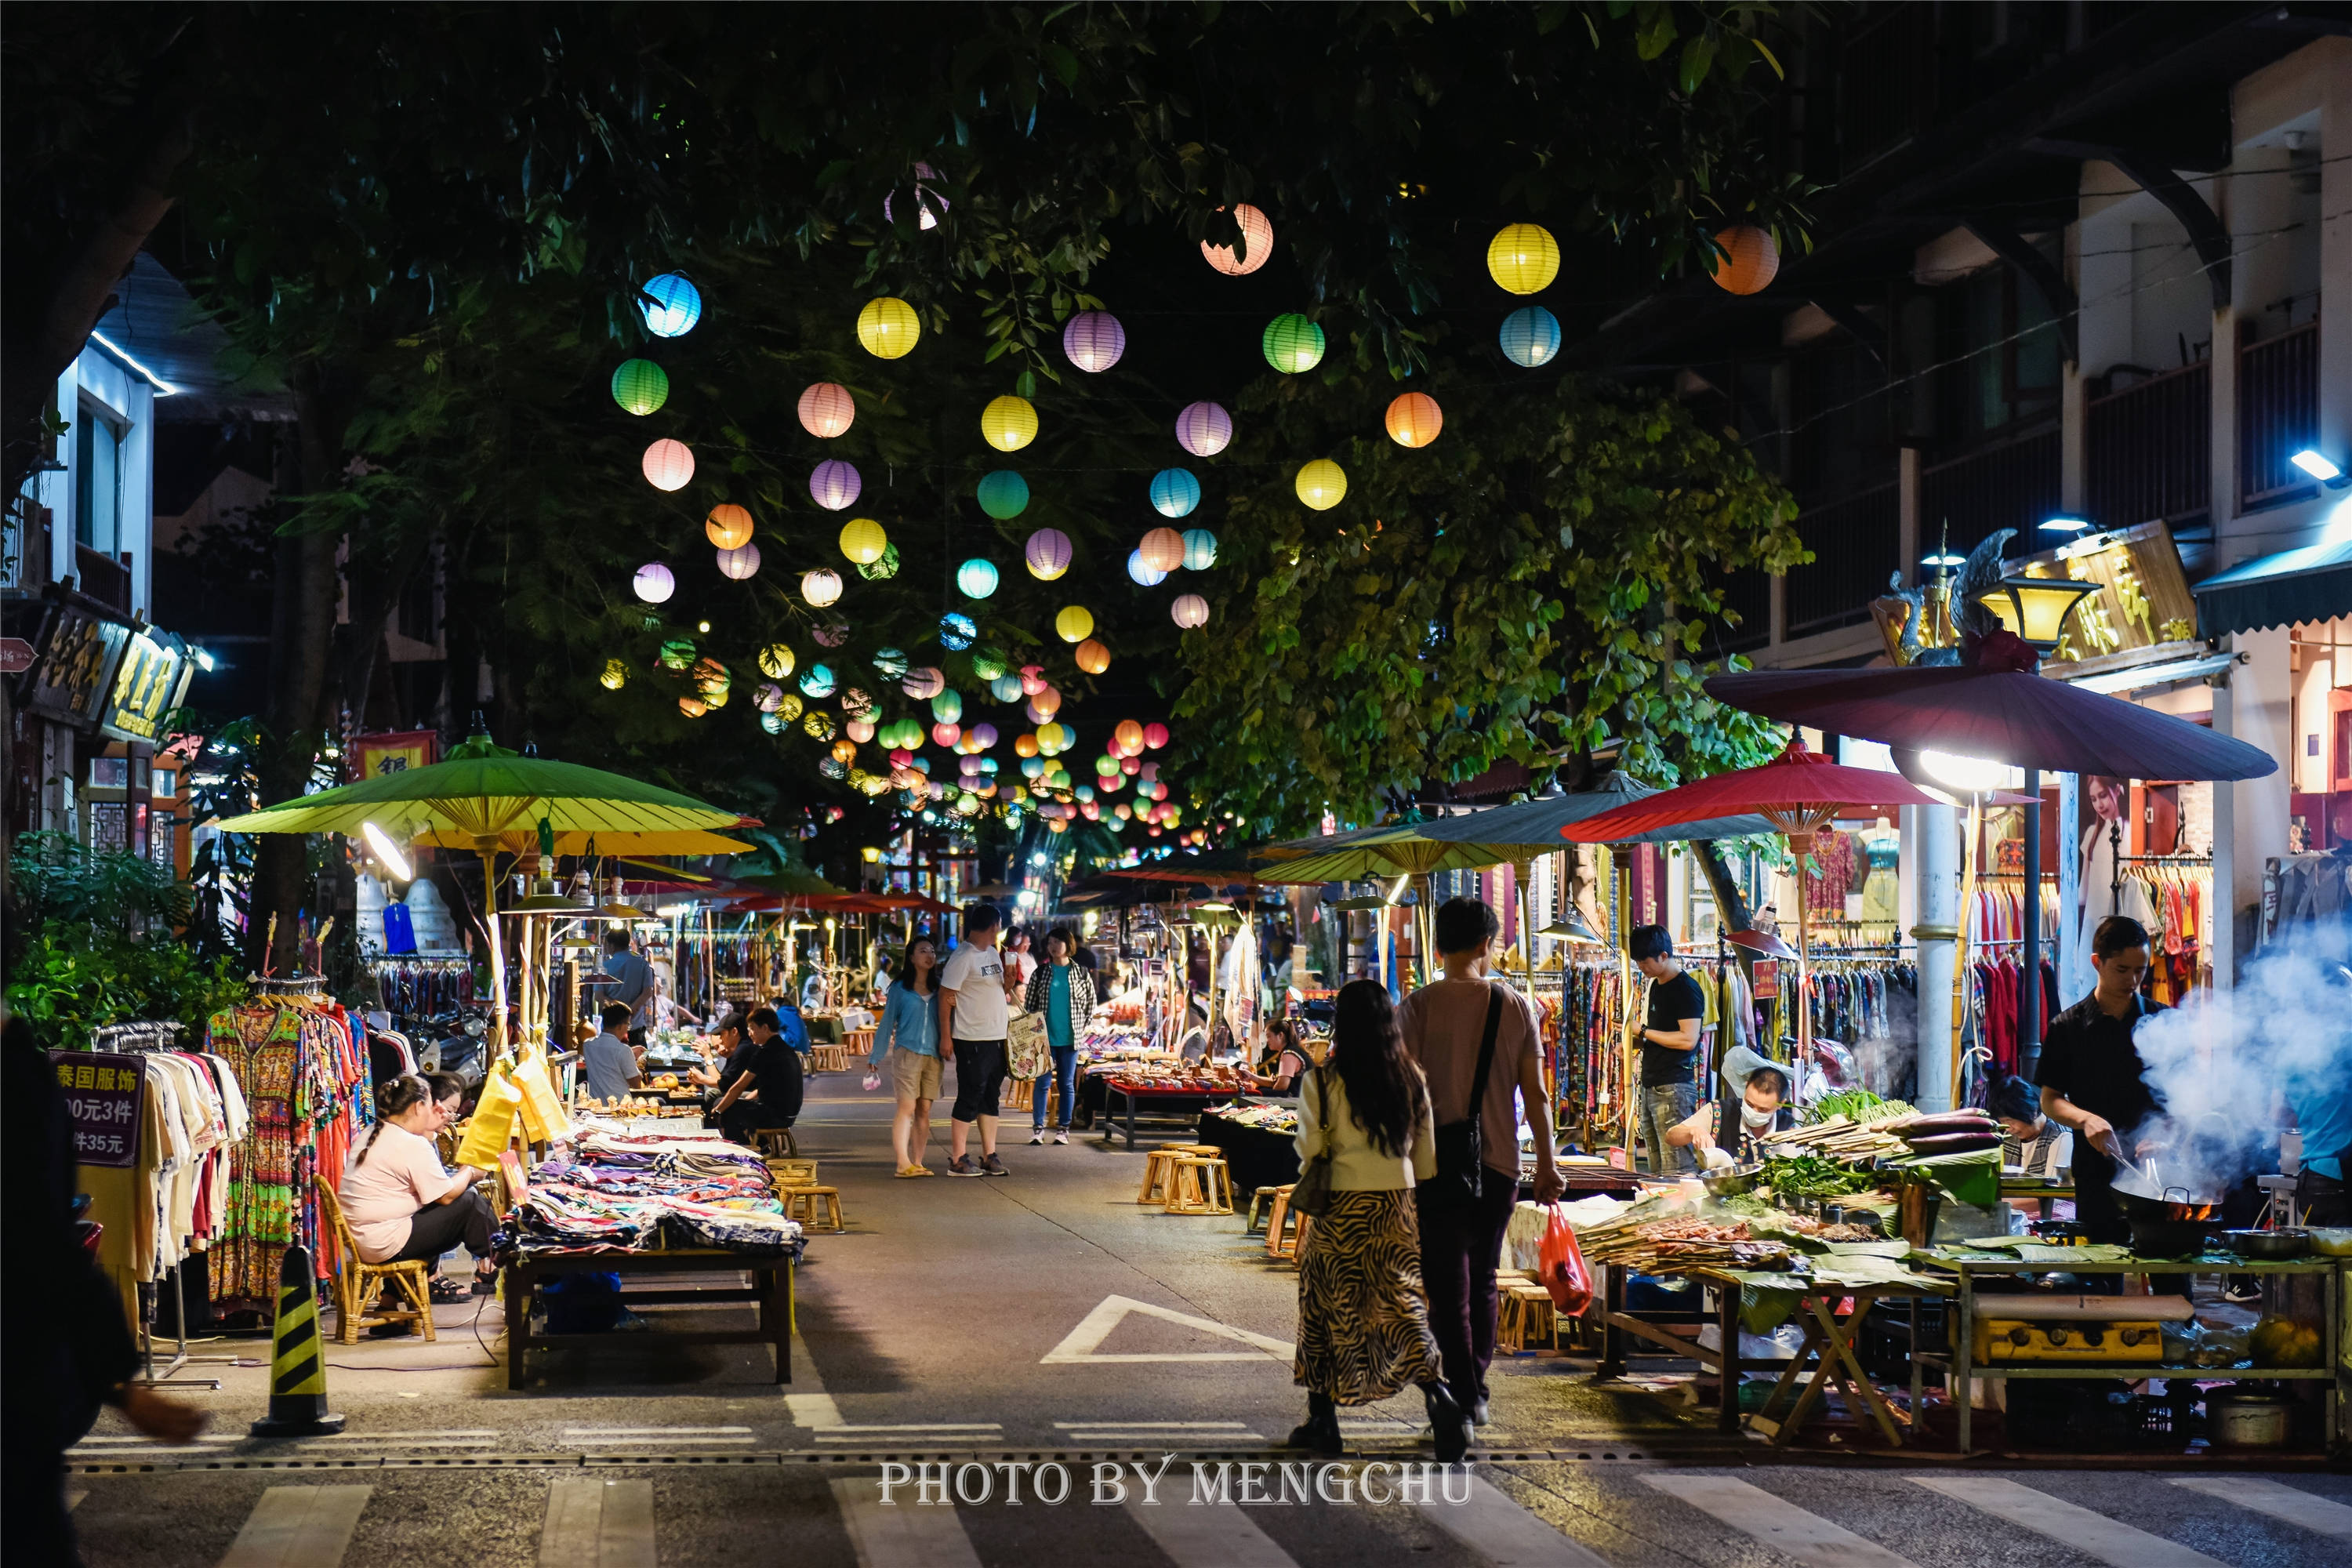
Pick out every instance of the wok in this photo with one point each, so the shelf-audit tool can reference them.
(2165, 1221)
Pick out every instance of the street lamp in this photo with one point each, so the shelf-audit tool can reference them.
(381, 844)
(2064, 523)
(2035, 608)
(2325, 469)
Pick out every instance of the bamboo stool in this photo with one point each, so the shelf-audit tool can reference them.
(1286, 1228)
(356, 1283)
(1020, 1093)
(1260, 1201)
(828, 1057)
(800, 1199)
(1203, 1185)
(774, 1141)
(792, 1173)
(859, 1042)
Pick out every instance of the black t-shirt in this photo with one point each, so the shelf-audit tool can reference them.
(775, 1069)
(2089, 1057)
(1671, 1001)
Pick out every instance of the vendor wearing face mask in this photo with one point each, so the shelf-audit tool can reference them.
(1724, 1134)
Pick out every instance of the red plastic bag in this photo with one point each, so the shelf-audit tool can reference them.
(1560, 1264)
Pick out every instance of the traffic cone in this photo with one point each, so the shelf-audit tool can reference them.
(298, 1358)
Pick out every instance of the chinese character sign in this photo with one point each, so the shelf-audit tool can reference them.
(380, 754)
(102, 1096)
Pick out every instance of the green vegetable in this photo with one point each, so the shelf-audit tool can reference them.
(1812, 1176)
(1854, 1105)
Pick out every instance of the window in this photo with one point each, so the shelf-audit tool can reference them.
(109, 773)
(98, 482)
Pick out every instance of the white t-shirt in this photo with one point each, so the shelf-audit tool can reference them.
(976, 974)
(380, 1198)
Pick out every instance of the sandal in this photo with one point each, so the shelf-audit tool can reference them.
(447, 1292)
(907, 1171)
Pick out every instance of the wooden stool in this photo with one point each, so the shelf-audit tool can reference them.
(800, 1204)
(1539, 1318)
(859, 1042)
(356, 1283)
(1159, 1174)
(1286, 1228)
(1261, 1200)
(1203, 1185)
(1019, 1093)
(1303, 1226)
(774, 1141)
(828, 1059)
(792, 1173)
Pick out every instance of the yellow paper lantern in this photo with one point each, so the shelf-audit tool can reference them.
(1075, 624)
(729, 527)
(1414, 419)
(1750, 259)
(1524, 257)
(888, 328)
(863, 539)
(776, 662)
(1009, 423)
(615, 676)
(845, 750)
(1093, 657)
(1322, 484)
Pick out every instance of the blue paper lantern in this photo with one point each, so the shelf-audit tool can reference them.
(890, 661)
(1530, 336)
(675, 306)
(1175, 492)
(977, 578)
(957, 631)
(816, 681)
(1003, 494)
(1142, 571)
(947, 707)
(1199, 549)
(1005, 688)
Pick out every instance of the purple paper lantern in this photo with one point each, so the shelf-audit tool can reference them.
(834, 485)
(1205, 430)
(1094, 339)
(653, 583)
(985, 734)
(1048, 554)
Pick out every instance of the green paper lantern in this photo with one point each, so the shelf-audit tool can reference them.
(1003, 494)
(640, 386)
(884, 566)
(1293, 344)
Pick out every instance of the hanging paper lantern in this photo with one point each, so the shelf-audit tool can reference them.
(882, 567)
(923, 682)
(827, 409)
(677, 654)
(1025, 746)
(845, 750)
(984, 736)
(1322, 484)
(1199, 549)
(693, 707)
(930, 205)
(1045, 704)
(1008, 423)
(1524, 257)
(768, 697)
(834, 485)
(1033, 680)
(1005, 688)
(888, 328)
(640, 386)
(1130, 735)
(653, 583)
(1256, 247)
(831, 635)
(1128, 766)
(945, 734)
(1002, 494)
(1074, 623)
(1162, 551)
(1750, 259)
(821, 587)
(855, 702)
(740, 561)
(818, 725)
(859, 729)
(947, 707)
(1093, 657)
(818, 681)
(1094, 339)
(615, 676)
(1205, 430)
(789, 707)
(776, 660)
(1142, 571)
(957, 631)
(889, 661)
(668, 464)
(863, 539)
(1155, 735)
(1293, 344)
(711, 676)
(729, 526)
(977, 578)
(671, 305)
(1530, 336)
(1190, 610)
(1174, 492)
(1048, 554)
(1414, 419)
(988, 662)
(774, 723)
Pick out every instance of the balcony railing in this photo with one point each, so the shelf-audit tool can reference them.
(2278, 414)
(2149, 450)
(2014, 485)
(1857, 545)
(1887, 83)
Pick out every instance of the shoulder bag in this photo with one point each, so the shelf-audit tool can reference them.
(1026, 1054)
(1461, 1145)
(1312, 1194)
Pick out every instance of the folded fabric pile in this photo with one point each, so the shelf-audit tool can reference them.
(1267, 1117)
(628, 1192)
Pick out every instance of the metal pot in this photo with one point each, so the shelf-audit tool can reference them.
(1731, 1183)
(2269, 1246)
(2169, 1222)
(2248, 1420)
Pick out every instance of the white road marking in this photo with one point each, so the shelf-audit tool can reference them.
(920, 1427)
(598, 1524)
(1080, 1345)
(1152, 1425)
(297, 1527)
(813, 1410)
(74, 1499)
(902, 1534)
(647, 1431)
(2320, 1515)
(1208, 1537)
(649, 1440)
(1494, 1525)
(1783, 1526)
(2091, 1533)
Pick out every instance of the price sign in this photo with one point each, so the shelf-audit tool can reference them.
(1768, 979)
(102, 1094)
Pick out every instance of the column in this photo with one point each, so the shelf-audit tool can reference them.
(1938, 933)
(2220, 922)
(2074, 442)
(2221, 436)
(2334, 246)
(1907, 502)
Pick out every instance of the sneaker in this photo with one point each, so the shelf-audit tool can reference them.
(992, 1166)
(962, 1165)
(1063, 1136)
(1037, 1137)
(1478, 1417)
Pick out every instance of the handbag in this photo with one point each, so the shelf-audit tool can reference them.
(1311, 1194)
(1026, 1054)
(1461, 1145)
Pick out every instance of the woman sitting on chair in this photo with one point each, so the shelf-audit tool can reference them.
(398, 1201)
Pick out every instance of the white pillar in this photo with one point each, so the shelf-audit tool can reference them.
(1938, 933)
(2220, 924)
(2258, 691)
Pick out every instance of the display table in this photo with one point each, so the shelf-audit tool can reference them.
(1254, 1156)
(1171, 1112)
(771, 1287)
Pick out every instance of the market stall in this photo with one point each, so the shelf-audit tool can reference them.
(1257, 1139)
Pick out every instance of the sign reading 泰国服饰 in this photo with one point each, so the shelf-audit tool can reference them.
(103, 1095)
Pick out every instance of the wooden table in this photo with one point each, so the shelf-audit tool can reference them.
(771, 1287)
(1828, 1351)
(1176, 1111)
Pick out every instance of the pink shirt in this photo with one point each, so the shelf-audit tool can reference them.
(380, 1198)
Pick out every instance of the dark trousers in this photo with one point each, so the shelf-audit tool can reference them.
(438, 1228)
(745, 1117)
(1461, 1244)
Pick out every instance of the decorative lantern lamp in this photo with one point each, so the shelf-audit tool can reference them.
(945, 734)
(1005, 688)
(1003, 494)
(863, 539)
(671, 305)
(1142, 572)
(834, 485)
(957, 631)
(1524, 257)
(1256, 247)
(668, 464)
(1199, 549)
(1093, 657)
(1530, 336)
(1293, 344)
(1191, 611)
(833, 634)
(1008, 423)
(818, 725)
(615, 676)
(1174, 492)
(859, 729)
(640, 386)
(827, 409)
(767, 697)
(930, 205)
(1750, 259)
(776, 660)
(977, 578)
(739, 563)
(1033, 680)
(1074, 624)
(984, 736)
(923, 683)
(1048, 554)
(888, 328)
(1155, 735)
(1414, 419)
(1025, 745)
(947, 707)
(1162, 551)
(890, 661)
(882, 567)
(1205, 430)
(729, 526)
(677, 654)
(654, 584)
(1130, 735)
(1094, 339)
(693, 707)
(1322, 484)
(2035, 608)
(821, 587)
(988, 663)
(817, 681)
(1046, 703)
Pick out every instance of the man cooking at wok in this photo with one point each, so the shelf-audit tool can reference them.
(2093, 1081)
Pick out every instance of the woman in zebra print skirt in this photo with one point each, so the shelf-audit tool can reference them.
(1363, 1314)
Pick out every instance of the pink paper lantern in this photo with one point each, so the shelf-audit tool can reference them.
(1190, 611)
(1094, 339)
(1129, 767)
(1257, 237)
(827, 409)
(1155, 735)
(668, 464)
(923, 683)
(1205, 430)
(834, 485)
(1048, 554)
(1033, 680)
(833, 634)
(1163, 550)
(945, 734)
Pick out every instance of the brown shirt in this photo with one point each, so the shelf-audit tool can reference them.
(1442, 1024)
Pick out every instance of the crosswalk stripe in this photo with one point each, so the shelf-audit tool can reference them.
(812, 1409)
(901, 1536)
(1216, 1535)
(2093, 1534)
(2317, 1514)
(643, 1431)
(1806, 1537)
(1494, 1525)
(74, 1498)
(297, 1527)
(598, 1524)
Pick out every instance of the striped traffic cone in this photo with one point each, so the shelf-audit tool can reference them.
(298, 1358)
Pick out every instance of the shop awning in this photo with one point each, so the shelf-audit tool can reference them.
(2312, 583)
(2141, 677)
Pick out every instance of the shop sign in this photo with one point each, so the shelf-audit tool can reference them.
(1767, 978)
(380, 754)
(103, 1095)
(152, 678)
(2142, 600)
(16, 655)
(79, 650)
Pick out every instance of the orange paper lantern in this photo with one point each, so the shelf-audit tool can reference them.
(1093, 657)
(1750, 259)
(1414, 419)
(729, 526)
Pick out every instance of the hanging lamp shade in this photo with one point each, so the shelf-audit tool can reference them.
(1005, 688)
(977, 578)
(821, 587)
(1074, 624)
(677, 654)
(947, 707)
(834, 485)
(1045, 704)
(1008, 423)
(739, 563)
(983, 735)
(888, 328)
(957, 631)
(1256, 247)
(1094, 339)
(1293, 344)
(1205, 430)
(776, 660)
(1750, 259)
(729, 526)
(671, 305)
(767, 697)
(817, 725)
(930, 205)
(1155, 735)
(640, 386)
(890, 662)
(615, 676)
(693, 707)
(1190, 611)
(653, 583)
(1530, 336)
(1174, 492)
(863, 539)
(1003, 494)
(1414, 419)
(1048, 554)
(846, 749)
(1143, 572)
(1130, 735)
(1322, 484)
(668, 464)
(1523, 258)
(817, 681)
(1093, 657)
(1199, 549)
(1025, 745)
(923, 682)
(882, 567)
(827, 409)
(988, 662)
(1162, 551)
